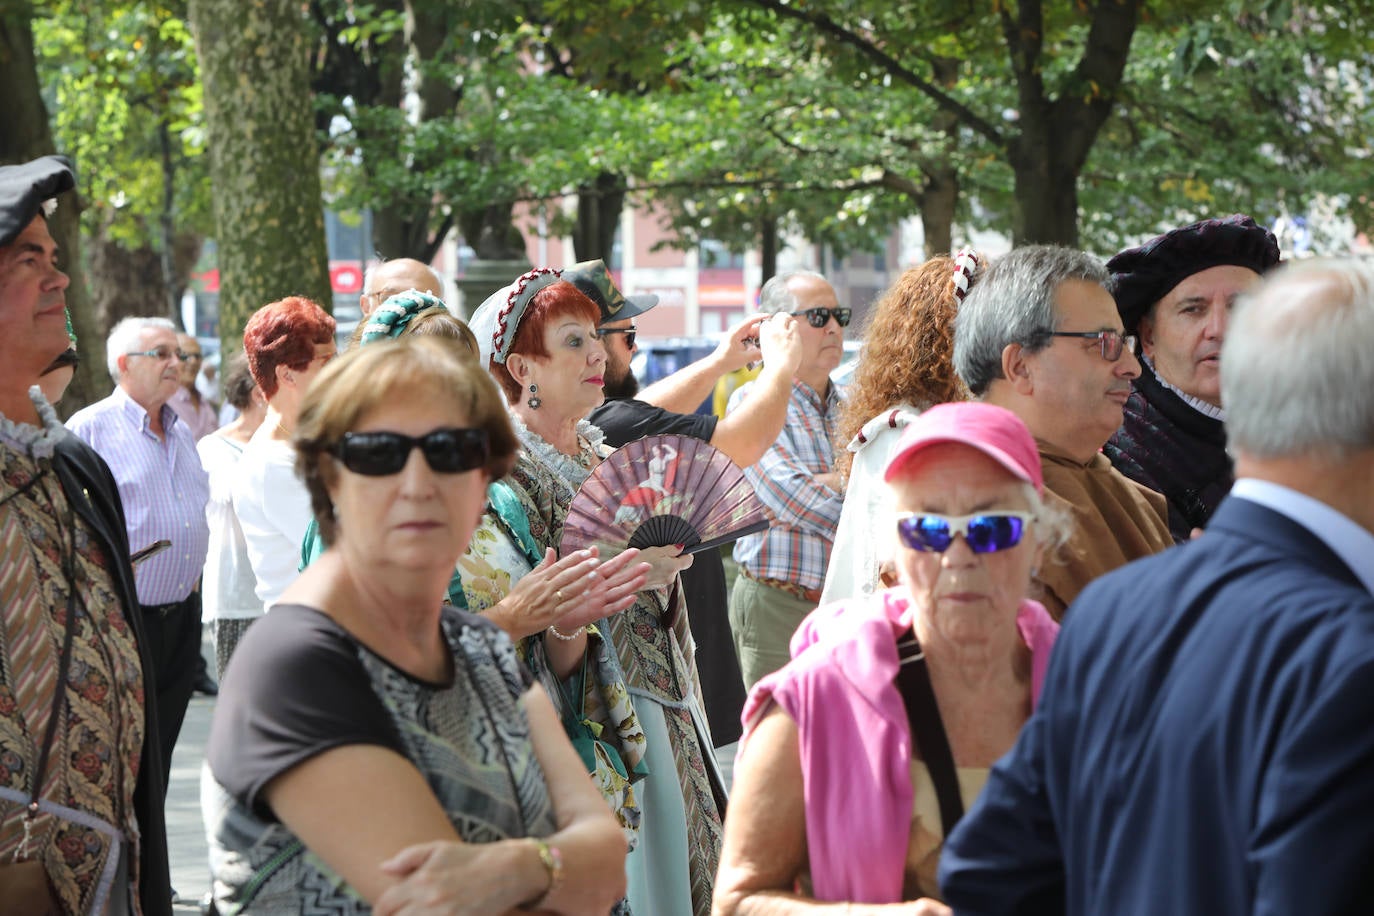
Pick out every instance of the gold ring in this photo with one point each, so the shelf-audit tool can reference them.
(558, 594)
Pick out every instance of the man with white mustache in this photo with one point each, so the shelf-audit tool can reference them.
(1040, 335)
(1175, 293)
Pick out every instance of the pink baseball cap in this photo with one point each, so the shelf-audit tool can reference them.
(994, 431)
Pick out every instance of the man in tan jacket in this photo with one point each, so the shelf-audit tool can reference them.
(1040, 335)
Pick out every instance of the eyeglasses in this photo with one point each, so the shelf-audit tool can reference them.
(985, 532)
(380, 454)
(1112, 342)
(628, 332)
(162, 354)
(817, 318)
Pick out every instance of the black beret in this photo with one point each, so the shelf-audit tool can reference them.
(1144, 275)
(24, 188)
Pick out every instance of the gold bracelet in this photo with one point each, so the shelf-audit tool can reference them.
(552, 860)
(570, 637)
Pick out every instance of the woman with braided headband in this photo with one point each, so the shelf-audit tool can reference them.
(539, 339)
(904, 368)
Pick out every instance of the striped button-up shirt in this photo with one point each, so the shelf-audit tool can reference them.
(796, 547)
(162, 485)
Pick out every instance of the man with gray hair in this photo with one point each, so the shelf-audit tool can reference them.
(1040, 335)
(164, 488)
(781, 571)
(1203, 742)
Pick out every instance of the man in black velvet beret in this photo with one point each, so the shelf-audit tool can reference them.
(66, 581)
(1175, 293)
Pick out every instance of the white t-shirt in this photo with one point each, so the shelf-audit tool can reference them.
(273, 507)
(227, 591)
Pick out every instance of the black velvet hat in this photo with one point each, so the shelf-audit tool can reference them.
(24, 188)
(1144, 275)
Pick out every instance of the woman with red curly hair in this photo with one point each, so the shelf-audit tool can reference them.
(287, 343)
(906, 367)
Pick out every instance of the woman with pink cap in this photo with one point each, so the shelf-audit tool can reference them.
(860, 755)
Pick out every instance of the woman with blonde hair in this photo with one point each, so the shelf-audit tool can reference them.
(906, 367)
(372, 745)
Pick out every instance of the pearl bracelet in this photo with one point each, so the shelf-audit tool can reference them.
(570, 637)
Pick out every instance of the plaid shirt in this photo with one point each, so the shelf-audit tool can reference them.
(796, 547)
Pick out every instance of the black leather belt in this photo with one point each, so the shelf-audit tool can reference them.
(162, 610)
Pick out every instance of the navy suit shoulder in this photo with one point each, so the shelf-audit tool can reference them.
(91, 489)
(1203, 743)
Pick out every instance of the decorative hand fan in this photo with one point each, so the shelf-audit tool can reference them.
(663, 490)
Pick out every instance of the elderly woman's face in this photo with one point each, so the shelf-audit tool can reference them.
(965, 596)
(570, 380)
(416, 517)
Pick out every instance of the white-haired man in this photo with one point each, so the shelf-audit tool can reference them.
(1204, 740)
(164, 488)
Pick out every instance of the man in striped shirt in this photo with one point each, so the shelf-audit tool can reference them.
(164, 490)
(781, 570)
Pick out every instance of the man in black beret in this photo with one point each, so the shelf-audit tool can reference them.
(74, 671)
(1175, 293)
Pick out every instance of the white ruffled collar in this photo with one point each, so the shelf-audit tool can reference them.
(574, 469)
(34, 441)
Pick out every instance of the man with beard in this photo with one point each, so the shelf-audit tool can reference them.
(666, 407)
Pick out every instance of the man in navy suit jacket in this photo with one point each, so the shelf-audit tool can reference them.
(1205, 739)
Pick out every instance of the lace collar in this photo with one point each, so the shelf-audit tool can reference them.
(571, 468)
(31, 440)
(1201, 406)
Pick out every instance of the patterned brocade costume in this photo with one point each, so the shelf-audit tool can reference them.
(96, 784)
(655, 648)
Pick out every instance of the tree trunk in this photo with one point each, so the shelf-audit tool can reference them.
(1045, 198)
(598, 214)
(264, 161)
(768, 248)
(27, 136)
(940, 194)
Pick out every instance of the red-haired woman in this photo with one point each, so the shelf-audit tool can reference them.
(539, 339)
(287, 343)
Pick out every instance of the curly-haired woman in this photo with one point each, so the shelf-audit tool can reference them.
(906, 367)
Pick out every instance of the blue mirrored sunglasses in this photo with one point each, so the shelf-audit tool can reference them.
(985, 532)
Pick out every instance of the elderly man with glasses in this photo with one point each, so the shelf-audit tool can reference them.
(1040, 335)
(164, 490)
(781, 570)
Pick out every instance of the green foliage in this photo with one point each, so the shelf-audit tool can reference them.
(117, 74)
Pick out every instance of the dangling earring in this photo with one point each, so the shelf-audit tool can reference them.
(534, 400)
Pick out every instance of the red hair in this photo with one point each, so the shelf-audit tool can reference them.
(284, 333)
(554, 302)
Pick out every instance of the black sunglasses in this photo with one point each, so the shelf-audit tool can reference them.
(817, 318)
(448, 451)
(628, 332)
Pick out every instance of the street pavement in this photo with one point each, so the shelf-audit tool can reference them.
(186, 846)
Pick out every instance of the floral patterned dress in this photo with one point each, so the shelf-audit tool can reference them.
(655, 649)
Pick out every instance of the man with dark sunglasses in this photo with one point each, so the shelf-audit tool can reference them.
(1204, 742)
(1175, 292)
(781, 570)
(667, 407)
(1040, 335)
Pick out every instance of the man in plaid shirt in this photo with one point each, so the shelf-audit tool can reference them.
(781, 570)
